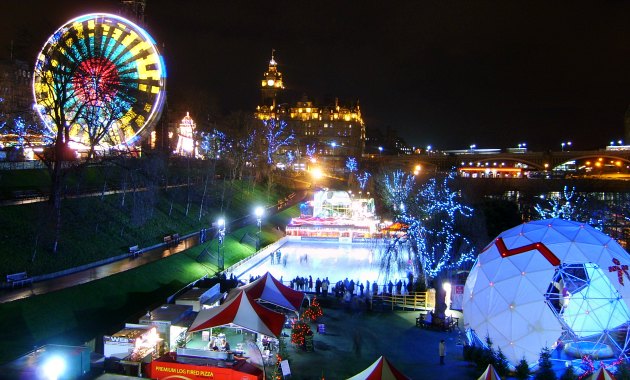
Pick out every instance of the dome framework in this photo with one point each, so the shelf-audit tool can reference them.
(549, 281)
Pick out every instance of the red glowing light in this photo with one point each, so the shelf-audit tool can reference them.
(96, 81)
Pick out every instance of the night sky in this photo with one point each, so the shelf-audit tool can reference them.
(446, 73)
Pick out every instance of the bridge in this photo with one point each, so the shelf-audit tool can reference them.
(537, 161)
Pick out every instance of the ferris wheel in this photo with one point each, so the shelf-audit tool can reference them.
(102, 77)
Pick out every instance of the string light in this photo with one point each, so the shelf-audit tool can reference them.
(363, 178)
(314, 311)
(352, 165)
(436, 244)
(299, 331)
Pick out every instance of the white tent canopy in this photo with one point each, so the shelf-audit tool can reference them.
(381, 369)
(241, 311)
(489, 374)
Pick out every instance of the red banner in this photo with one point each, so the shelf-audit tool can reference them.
(179, 371)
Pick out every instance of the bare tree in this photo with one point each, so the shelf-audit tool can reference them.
(54, 88)
(275, 135)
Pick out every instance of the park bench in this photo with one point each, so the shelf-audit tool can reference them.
(18, 279)
(134, 250)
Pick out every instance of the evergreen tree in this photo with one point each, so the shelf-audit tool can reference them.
(569, 374)
(545, 372)
(522, 370)
(501, 363)
(623, 371)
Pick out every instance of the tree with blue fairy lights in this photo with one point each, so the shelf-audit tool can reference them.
(433, 216)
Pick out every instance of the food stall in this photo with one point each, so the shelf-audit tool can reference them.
(201, 298)
(171, 322)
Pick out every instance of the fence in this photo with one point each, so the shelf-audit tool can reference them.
(408, 301)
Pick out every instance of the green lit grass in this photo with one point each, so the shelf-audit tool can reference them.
(78, 314)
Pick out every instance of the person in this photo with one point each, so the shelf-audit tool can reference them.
(271, 255)
(227, 346)
(428, 320)
(325, 288)
(442, 350)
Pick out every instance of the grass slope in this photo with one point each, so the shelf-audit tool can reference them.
(80, 313)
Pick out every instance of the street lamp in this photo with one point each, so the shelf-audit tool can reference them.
(221, 255)
(333, 144)
(380, 150)
(259, 211)
(567, 144)
(472, 147)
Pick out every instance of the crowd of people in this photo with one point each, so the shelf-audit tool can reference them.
(350, 287)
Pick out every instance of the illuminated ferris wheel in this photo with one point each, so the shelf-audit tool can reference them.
(102, 77)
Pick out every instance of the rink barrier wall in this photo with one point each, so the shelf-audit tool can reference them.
(254, 260)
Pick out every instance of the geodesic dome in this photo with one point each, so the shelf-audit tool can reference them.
(546, 281)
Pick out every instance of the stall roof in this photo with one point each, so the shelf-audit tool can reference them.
(268, 289)
(243, 311)
(381, 369)
(167, 312)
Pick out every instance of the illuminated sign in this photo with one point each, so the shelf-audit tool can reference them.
(117, 339)
(181, 371)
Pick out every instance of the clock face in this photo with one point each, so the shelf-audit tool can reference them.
(270, 82)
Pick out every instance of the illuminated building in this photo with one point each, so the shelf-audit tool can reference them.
(15, 89)
(16, 109)
(334, 130)
(185, 134)
(334, 216)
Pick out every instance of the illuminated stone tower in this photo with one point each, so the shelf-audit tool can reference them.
(271, 86)
(332, 130)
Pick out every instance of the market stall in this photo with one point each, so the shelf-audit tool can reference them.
(267, 289)
(380, 369)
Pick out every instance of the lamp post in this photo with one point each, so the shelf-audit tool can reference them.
(380, 151)
(472, 147)
(221, 255)
(333, 144)
(259, 211)
(567, 144)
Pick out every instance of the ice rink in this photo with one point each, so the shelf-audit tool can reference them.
(358, 262)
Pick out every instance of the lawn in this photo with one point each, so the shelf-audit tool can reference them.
(78, 314)
(98, 227)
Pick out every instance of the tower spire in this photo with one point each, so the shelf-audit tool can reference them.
(273, 61)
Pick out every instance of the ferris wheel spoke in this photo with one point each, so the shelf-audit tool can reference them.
(104, 72)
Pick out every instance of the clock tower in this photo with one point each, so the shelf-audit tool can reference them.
(271, 85)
